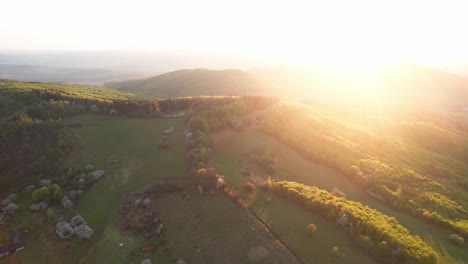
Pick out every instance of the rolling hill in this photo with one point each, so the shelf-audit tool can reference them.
(389, 84)
(392, 84)
(192, 82)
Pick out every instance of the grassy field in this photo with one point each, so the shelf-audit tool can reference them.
(283, 217)
(212, 223)
(134, 142)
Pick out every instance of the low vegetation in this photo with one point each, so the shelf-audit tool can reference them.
(372, 230)
(390, 166)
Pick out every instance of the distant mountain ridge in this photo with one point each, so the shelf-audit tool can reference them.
(193, 82)
(394, 84)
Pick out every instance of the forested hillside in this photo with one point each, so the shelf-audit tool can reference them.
(403, 160)
(33, 138)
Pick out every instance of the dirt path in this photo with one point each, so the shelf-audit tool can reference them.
(272, 239)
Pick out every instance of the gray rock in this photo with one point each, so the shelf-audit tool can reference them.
(181, 261)
(10, 208)
(6, 202)
(64, 230)
(4, 219)
(67, 203)
(147, 203)
(77, 220)
(89, 167)
(160, 229)
(12, 197)
(80, 193)
(137, 202)
(84, 231)
(37, 207)
(96, 175)
(44, 182)
(81, 182)
(146, 261)
(30, 188)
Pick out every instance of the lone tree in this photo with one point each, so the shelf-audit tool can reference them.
(311, 229)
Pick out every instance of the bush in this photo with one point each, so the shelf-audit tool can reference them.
(233, 194)
(57, 195)
(311, 229)
(336, 251)
(336, 192)
(456, 239)
(249, 187)
(42, 194)
(242, 203)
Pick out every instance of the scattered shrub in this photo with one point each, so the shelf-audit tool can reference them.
(41, 194)
(233, 194)
(456, 239)
(336, 192)
(242, 203)
(311, 229)
(249, 187)
(336, 251)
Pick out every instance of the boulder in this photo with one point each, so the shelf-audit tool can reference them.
(67, 203)
(6, 202)
(137, 202)
(147, 203)
(12, 197)
(77, 220)
(160, 229)
(84, 231)
(96, 175)
(81, 183)
(4, 219)
(80, 193)
(44, 182)
(64, 230)
(181, 261)
(37, 207)
(89, 167)
(146, 261)
(10, 208)
(30, 188)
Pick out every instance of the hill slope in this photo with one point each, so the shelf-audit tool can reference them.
(192, 82)
(390, 84)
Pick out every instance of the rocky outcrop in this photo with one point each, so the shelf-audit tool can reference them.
(89, 167)
(67, 203)
(6, 202)
(84, 231)
(146, 261)
(77, 220)
(30, 188)
(77, 226)
(64, 230)
(44, 182)
(10, 209)
(96, 175)
(12, 197)
(37, 207)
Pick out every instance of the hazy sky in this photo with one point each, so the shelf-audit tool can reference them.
(305, 32)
